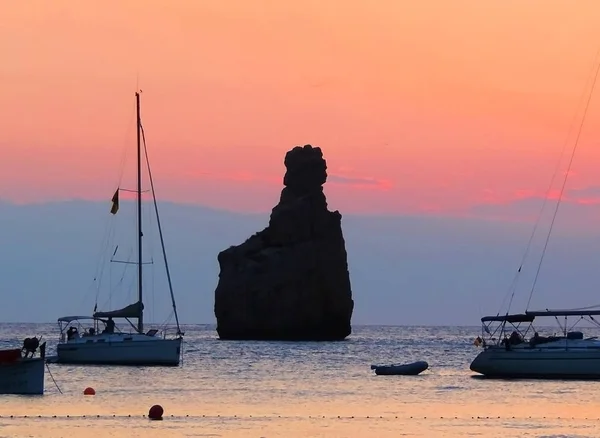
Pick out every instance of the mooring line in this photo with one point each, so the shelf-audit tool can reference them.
(50, 372)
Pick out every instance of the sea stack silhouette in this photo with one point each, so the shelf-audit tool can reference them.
(289, 281)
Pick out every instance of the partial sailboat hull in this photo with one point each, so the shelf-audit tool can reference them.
(120, 350)
(23, 377)
(557, 360)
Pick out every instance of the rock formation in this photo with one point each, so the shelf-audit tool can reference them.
(289, 281)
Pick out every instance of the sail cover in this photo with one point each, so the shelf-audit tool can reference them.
(131, 311)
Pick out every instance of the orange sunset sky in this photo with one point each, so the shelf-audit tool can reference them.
(429, 106)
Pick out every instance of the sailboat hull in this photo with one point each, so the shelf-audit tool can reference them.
(577, 360)
(24, 376)
(120, 349)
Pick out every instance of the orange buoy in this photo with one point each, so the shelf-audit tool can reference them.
(155, 412)
(89, 391)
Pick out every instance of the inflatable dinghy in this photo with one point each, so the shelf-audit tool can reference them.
(409, 369)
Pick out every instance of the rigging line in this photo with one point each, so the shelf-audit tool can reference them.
(109, 230)
(121, 171)
(131, 289)
(104, 259)
(150, 250)
(562, 189)
(167, 320)
(110, 284)
(128, 260)
(100, 253)
(100, 263)
(162, 242)
(125, 150)
(515, 281)
(596, 306)
(575, 323)
(120, 281)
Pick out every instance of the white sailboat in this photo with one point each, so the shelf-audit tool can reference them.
(525, 354)
(111, 346)
(512, 347)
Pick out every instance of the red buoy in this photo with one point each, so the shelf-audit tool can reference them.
(89, 391)
(156, 412)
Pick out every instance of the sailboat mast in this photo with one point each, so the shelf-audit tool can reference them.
(139, 213)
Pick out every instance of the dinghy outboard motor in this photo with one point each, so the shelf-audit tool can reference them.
(30, 345)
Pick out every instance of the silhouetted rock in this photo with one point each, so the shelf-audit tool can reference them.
(289, 281)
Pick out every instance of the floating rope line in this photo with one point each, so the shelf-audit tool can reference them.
(309, 417)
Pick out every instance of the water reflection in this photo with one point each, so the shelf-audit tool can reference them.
(275, 389)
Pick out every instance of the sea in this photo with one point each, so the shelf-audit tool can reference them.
(303, 389)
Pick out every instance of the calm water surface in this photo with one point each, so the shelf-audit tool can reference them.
(279, 389)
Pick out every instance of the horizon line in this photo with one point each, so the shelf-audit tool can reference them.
(419, 214)
(478, 326)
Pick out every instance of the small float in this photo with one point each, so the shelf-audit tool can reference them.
(409, 369)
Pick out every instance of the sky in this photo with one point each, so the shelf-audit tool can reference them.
(428, 106)
(404, 270)
(431, 108)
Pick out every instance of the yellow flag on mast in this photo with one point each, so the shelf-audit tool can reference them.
(115, 203)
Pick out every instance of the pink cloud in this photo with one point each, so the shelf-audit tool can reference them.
(524, 193)
(577, 204)
(588, 201)
(244, 177)
(502, 198)
(344, 179)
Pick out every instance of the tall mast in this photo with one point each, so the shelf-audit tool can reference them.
(139, 213)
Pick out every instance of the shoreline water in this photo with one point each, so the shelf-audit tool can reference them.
(284, 389)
